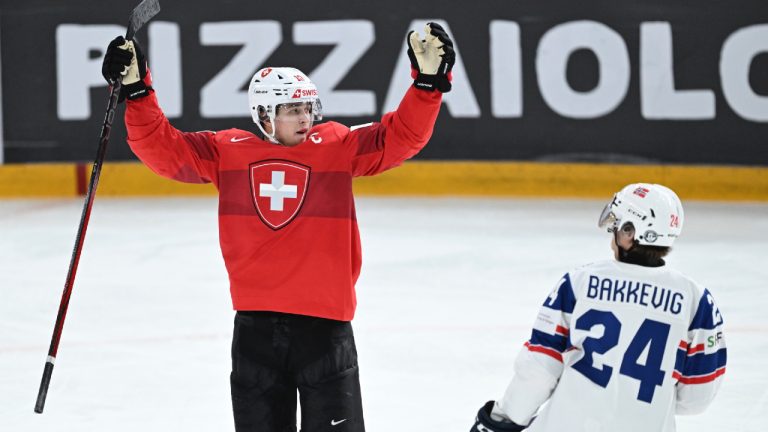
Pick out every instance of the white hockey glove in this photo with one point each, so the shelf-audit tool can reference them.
(432, 58)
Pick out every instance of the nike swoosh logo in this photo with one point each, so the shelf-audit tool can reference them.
(239, 139)
(334, 422)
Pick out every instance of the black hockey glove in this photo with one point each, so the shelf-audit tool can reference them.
(432, 58)
(124, 60)
(484, 422)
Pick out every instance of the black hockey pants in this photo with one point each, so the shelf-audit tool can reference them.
(273, 354)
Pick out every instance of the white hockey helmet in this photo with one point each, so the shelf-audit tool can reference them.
(654, 210)
(271, 87)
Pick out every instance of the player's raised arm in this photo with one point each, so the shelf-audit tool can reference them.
(190, 157)
(401, 134)
(700, 362)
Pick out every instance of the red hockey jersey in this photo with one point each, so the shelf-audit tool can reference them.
(287, 225)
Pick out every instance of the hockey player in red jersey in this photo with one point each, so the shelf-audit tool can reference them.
(619, 345)
(287, 225)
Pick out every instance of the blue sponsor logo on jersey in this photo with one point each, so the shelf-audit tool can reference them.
(642, 293)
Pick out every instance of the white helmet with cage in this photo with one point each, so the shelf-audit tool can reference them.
(654, 210)
(271, 87)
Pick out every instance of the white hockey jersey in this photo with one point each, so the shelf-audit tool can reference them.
(618, 347)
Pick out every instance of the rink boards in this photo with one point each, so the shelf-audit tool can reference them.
(463, 178)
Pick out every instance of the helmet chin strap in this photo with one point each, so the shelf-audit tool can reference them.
(270, 138)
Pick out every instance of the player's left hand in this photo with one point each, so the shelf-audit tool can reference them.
(432, 58)
(484, 422)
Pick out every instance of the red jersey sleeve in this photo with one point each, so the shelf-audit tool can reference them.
(398, 137)
(190, 157)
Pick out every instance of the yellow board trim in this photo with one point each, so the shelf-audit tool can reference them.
(580, 180)
(465, 178)
(38, 180)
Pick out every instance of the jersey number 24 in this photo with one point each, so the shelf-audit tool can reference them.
(653, 333)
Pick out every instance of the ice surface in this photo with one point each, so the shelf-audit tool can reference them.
(448, 291)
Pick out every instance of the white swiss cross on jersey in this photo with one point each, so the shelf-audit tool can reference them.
(278, 188)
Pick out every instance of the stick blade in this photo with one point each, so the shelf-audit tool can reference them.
(141, 15)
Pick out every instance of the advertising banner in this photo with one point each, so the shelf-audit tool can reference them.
(641, 81)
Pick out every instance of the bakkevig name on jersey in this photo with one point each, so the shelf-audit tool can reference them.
(642, 293)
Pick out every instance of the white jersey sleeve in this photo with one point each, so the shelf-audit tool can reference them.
(540, 363)
(700, 363)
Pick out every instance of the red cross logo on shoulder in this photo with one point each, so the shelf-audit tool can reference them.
(278, 188)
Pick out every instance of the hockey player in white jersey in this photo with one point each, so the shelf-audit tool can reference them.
(619, 345)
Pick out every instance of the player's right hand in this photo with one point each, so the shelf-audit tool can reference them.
(125, 61)
(484, 422)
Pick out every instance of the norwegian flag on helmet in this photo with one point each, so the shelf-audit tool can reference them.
(641, 192)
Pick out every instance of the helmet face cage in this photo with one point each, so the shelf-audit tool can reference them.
(272, 87)
(316, 109)
(608, 217)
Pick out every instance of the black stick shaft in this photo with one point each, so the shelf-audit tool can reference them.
(106, 128)
(140, 15)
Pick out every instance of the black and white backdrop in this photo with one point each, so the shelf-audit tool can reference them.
(646, 81)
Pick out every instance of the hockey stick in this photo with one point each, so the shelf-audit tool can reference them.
(141, 15)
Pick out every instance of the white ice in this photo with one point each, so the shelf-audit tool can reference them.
(448, 291)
